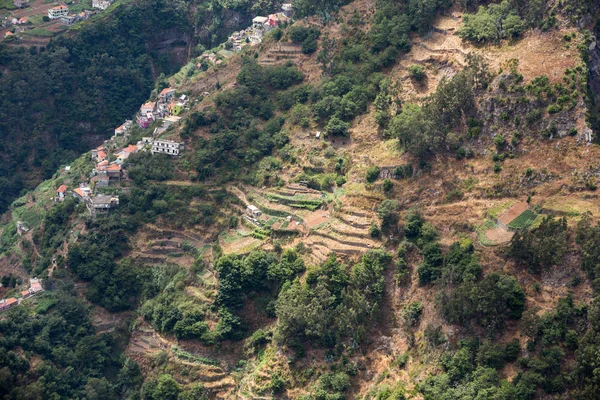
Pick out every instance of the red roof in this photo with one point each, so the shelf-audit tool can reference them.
(79, 192)
(132, 148)
(24, 293)
(62, 189)
(10, 301)
(60, 8)
(113, 167)
(166, 90)
(101, 154)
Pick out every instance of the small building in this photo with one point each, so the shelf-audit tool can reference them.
(69, 20)
(165, 147)
(125, 153)
(99, 154)
(175, 108)
(101, 4)
(101, 204)
(35, 286)
(22, 228)
(288, 9)
(21, 3)
(253, 211)
(25, 294)
(112, 171)
(61, 193)
(148, 108)
(275, 20)
(259, 22)
(144, 121)
(82, 192)
(7, 304)
(122, 129)
(166, 94)
(58, 12)
(23, 20)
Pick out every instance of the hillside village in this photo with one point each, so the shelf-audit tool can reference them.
(157, 115)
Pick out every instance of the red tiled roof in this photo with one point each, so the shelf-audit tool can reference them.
(60, 8)
(79, 192)
(166, 90)
(10, 301)
(62, 189)
(113, 167)
(24, 293)
(101, 154)
(132, 148)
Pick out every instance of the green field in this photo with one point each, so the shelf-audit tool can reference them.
(7, 4)
(524, 220)
(481, 229)
(39, 32)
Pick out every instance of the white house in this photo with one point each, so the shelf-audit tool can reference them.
(101, 4)
(101, 204)
(253, 211)
(58, 11)
(165, 147)
(259, 22)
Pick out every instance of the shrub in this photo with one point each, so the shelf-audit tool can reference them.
(373, 173)
(417, 72)
(499, 141)
(387, 185)
(412, 313)
(337, 127)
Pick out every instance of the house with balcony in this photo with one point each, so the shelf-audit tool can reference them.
(101, 204)
(58, 12)
(166, 147)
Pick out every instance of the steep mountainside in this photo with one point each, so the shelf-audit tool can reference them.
(388, 200)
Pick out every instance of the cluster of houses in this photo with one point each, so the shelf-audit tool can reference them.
(109, 159)
(62, 12)
(166, 106)
(252, 35)
(35, 287)
(261, 25)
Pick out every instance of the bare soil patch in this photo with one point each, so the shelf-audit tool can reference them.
(498, 235)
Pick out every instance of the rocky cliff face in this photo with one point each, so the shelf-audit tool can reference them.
(594, 86)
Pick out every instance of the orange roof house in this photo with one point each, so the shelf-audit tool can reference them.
(132, 148)
(79, 192)
(8, 303)
(61, 192)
